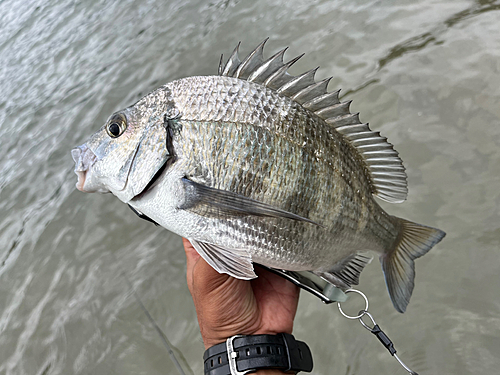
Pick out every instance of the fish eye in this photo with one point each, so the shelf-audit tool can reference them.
(116, 126)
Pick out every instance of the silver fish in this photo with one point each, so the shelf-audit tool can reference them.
(258, 166)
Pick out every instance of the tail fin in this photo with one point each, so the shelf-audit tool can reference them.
(414, 241)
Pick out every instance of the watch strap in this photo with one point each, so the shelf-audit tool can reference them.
(240, 355)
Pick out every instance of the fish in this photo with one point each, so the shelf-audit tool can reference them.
(258, 166)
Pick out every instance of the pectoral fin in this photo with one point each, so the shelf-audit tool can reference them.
(209, 201)
(234, 262)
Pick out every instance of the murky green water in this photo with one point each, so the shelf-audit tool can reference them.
(426, 74)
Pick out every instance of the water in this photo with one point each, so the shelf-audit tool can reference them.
(426, 74)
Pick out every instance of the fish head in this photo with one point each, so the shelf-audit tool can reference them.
(125, 154)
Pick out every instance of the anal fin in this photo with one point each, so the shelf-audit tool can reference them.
(234, 262)
(346, 272)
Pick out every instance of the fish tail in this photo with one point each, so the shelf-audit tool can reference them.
(398, 264)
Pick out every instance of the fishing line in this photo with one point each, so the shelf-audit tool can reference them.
(375, 329)
(328, 293)
(160, 332)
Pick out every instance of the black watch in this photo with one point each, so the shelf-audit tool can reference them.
(240, 355)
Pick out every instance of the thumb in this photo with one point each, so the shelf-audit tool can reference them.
(201, 277)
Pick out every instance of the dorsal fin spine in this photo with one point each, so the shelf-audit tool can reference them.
(335, 110)
(269, 67)
(347, 123)
(297, 84)
(221, 65)
(312, 91)
(233, 63)
(281, 76)
(386, 172)
(251, 62)
(368, 140)
(361, 135)
(322, 101)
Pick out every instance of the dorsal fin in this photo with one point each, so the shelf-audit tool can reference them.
(386, 171)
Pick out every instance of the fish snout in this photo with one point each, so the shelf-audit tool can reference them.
(84, 159)
(78, 154)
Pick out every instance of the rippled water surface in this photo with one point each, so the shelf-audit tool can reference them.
(426, 74)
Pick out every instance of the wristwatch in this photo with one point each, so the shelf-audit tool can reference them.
(240, 355)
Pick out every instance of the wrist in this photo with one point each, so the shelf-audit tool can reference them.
(262, 354)
(221, 337)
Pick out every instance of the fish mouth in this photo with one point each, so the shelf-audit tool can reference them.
(84, 159)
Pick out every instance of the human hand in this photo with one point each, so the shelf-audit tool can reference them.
(227, 306)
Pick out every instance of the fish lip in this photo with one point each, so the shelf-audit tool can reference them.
(84, 159)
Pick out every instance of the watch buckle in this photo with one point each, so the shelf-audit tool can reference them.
(232, 355)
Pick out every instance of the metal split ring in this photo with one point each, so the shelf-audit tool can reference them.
(362, 312)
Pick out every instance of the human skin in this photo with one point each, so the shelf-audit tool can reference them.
(226, 306)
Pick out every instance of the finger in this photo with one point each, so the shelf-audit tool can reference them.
(192, 257)
(191, 254)
(205, 279)
(201, 277)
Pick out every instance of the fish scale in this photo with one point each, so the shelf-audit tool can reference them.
(295, 134)
(258, 166)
